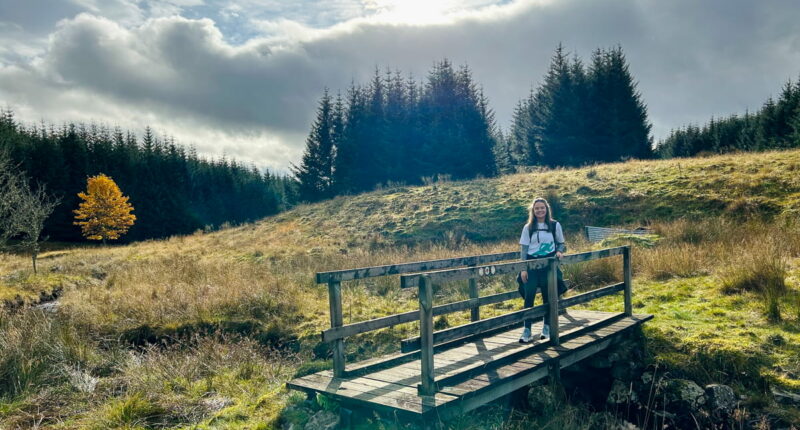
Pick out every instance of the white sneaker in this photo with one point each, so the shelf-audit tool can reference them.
(526, 336)
(545, 332)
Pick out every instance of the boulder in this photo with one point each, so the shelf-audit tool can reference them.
(621, 394)
(721, 400)
(625, 370)
(785, 397)
(542, 398)
(683, 396)
(323, 420)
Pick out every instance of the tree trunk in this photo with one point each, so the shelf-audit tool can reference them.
(33, 257)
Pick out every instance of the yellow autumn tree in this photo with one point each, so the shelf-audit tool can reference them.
(104, 213)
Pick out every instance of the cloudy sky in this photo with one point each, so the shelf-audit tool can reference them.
(242, 77)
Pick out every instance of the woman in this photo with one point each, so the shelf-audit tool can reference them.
(542, 237)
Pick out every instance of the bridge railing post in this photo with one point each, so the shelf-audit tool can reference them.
(428, 384)
(552, 294)
(475, 311)
(335, 299)
(628, 277)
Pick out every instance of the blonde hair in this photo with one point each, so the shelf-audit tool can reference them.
(548, 216)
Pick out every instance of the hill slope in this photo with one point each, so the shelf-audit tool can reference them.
(200, 294)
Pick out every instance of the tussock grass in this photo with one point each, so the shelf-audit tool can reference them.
(236, 313)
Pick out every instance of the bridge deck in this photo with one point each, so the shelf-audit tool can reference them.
(473, 372)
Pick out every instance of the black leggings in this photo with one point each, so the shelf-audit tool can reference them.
(537, 280)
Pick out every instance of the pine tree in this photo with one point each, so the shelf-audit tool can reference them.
(104, 213)
(620, 124)
(315, 173)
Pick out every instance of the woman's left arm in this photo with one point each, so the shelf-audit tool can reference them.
(561, 245)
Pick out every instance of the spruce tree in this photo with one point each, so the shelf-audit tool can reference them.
(315, 172)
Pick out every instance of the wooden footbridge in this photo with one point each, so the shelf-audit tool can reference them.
(445, 373)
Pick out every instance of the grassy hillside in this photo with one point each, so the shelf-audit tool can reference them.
(204, 329)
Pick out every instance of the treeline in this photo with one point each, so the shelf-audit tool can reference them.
(399, 130)
(775, 126)
(579, 115)
(173, 190)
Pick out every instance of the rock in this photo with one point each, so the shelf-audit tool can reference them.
(216, 403)
(621, 394)
(785, 397)
(625, 370)
(721, 399)
(602, 361)
(541, 398)
(647, 378)
(683, 395)
(50, 307)
(323, 420)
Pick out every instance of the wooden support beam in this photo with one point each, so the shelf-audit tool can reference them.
(552, 305)
(591, 255)
(335, 301)
(449, 275)
(412, 344)
(590, 295)
(475, 311)
(364, 326)
(428, 386)
(628, 275)
(418, 266)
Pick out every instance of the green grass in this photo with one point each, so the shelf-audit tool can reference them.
(203, 331)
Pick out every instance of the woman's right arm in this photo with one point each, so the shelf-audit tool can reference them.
(524, 242)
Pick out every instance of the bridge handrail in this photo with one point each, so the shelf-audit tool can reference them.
(407, 281)
(335, 278)
(416, 266)
(423, 281)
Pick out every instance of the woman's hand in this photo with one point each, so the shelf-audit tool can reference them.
(559, 254)
(524, 276)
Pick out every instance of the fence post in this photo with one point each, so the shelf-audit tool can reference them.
(335, 299)
(552, 294)
(428, 384)
(628, 274)
(475, 312)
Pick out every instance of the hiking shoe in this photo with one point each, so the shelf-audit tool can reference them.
(526, 336)
(545, 332)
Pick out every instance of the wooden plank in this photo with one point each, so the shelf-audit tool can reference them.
(591, 295)
(552, 305)
(516, 354)
(335, 302)
(371, 393)
(482, 388)
(383, 362)
(418, 266)
(411, 344)
(591, 255)
(628, 275)
(411, 316)
(449, 275)
(426, 336)
(475, 312)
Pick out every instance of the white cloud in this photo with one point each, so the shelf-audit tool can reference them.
(253, 93)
